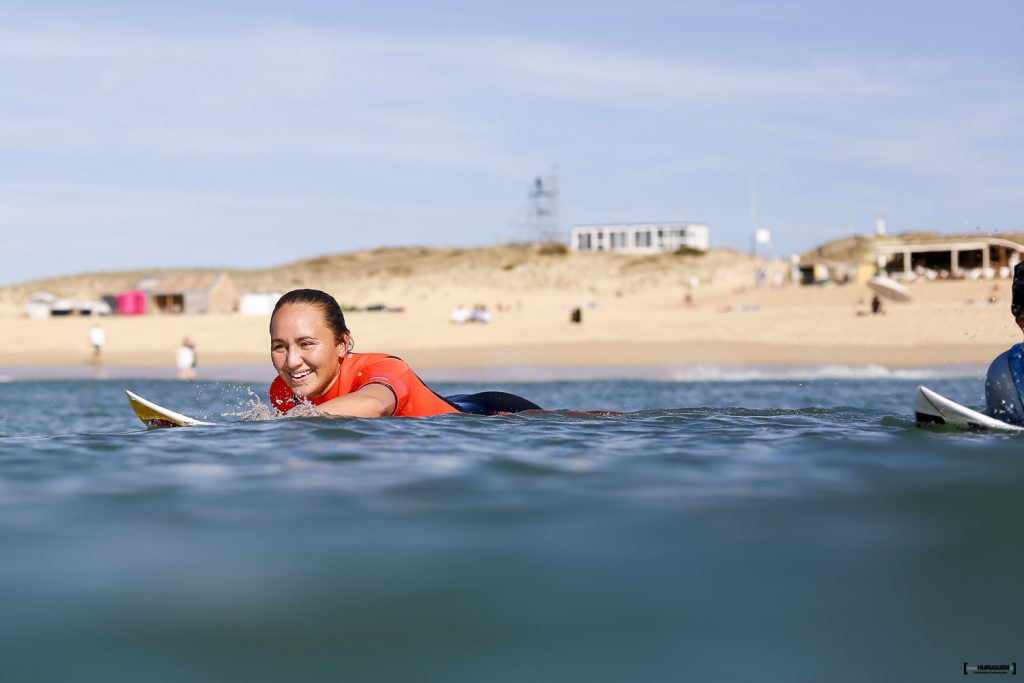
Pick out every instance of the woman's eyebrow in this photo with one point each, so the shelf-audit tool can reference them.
(303, 337)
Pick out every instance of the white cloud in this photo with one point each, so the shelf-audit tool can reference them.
(436, 100)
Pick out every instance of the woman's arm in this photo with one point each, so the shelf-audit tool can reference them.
(373, 400)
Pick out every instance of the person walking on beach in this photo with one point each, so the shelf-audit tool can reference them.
(97, 337)
(311, 350)
(186, 360)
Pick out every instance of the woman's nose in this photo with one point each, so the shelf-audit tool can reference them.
(294, 358)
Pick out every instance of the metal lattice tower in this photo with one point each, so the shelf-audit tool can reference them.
(543, 208)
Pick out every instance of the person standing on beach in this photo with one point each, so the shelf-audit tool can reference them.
(186, 360)
(1005, 375)
(97, 337)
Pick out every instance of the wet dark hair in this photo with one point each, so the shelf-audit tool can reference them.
(1017, 305)
(328, 306)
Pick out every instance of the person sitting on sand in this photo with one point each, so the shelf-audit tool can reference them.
(311, 349)
(1005, 376)
(480, 314)
(460, 315)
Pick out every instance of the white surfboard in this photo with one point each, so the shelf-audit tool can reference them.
(930, 407)
(889, 288)
(155, 416)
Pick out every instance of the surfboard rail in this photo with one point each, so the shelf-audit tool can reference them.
(158, 417)
(930, 407)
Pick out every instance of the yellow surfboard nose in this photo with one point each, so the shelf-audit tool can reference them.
(155, 417)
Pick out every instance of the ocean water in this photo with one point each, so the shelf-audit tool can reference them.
(755, 529)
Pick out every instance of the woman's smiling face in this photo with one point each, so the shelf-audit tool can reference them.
(303, 349)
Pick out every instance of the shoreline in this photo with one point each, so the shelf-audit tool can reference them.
(249, 374)
(689, 361)
(576, 354)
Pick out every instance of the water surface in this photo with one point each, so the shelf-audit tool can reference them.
(796, 530)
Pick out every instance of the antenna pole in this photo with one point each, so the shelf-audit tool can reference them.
(753, 216)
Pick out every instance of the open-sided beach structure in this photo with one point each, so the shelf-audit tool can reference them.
(640, 238)
(992, 255)
(910, 256)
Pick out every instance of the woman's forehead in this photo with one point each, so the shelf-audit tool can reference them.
(293, 318)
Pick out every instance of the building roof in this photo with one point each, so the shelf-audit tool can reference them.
(963, 244)
(638, 224)
(180, 282)
(857, 248)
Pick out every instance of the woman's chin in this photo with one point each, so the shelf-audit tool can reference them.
(308, 391)
(301, 390)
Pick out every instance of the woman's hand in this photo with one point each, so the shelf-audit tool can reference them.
(373, 400)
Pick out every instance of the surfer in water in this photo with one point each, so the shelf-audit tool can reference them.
(311, 349)
(1004, 382)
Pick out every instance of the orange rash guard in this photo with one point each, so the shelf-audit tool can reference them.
(413, 398)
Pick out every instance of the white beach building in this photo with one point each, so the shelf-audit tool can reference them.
(258, 303)
(640, 238)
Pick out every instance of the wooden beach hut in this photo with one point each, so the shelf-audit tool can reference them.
(191, 293)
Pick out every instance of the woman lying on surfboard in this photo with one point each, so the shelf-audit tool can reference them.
(311, 349)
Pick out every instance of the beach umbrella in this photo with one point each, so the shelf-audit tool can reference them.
(888, 288)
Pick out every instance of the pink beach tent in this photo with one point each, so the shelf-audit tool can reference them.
(131, 303)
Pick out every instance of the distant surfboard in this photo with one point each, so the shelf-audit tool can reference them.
(889, 288)
(156, 417)
(933, 408)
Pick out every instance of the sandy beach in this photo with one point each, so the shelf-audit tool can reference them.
(634, 313)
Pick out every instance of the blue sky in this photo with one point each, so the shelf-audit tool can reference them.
(248, 134)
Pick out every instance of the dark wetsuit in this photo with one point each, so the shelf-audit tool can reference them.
(413, 398)
(1003, 386)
